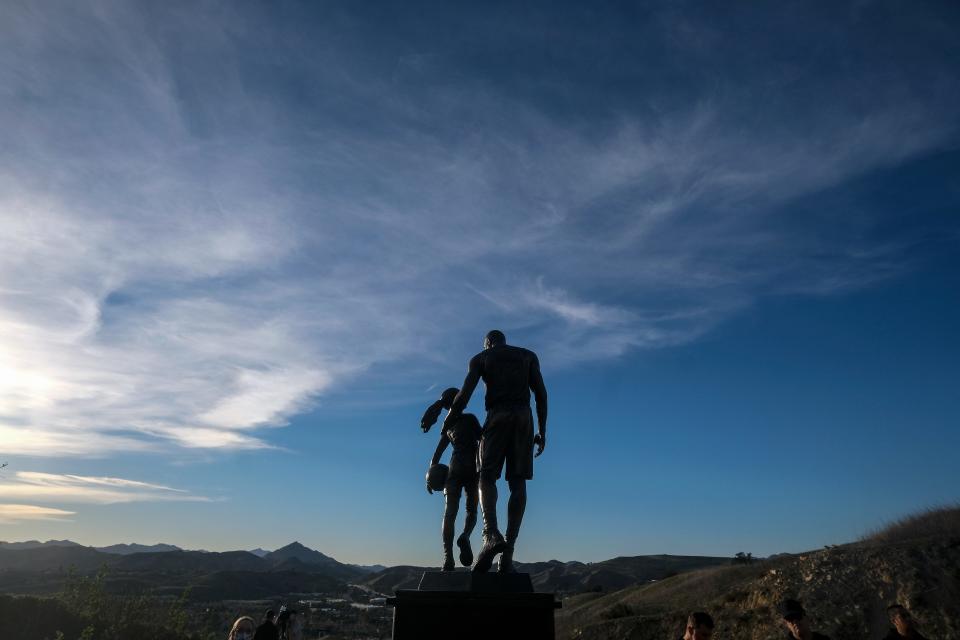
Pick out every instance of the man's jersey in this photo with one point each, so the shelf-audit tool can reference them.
(506, 371)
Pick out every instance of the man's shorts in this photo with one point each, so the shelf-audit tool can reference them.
(507, 439)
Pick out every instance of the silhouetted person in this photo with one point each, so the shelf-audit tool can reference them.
(288, 624)
(509, 373)
(464, 434)
(797, 623)
(903, 625)
(699, 626)
(267, 629)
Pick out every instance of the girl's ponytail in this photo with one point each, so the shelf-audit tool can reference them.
(430, 415)
(433, 411)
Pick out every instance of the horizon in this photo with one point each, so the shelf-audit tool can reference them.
(309, 548)
(247, 246)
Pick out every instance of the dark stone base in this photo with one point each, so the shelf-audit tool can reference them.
(471, 606)
(489, 582)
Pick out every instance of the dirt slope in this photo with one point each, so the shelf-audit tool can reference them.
(846, 591)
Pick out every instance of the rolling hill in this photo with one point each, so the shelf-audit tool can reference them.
(567, 577)
(845, 589)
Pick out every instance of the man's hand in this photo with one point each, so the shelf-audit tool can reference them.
(429, 490)
(541, 441)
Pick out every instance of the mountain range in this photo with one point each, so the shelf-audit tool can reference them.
(845, 588)
(41, 567)
(292, 551)
(555, 576)
(134, 557)
(38, 568)
(118, 549)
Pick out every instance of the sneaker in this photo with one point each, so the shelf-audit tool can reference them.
(466, 553)
(492, 545)
(505, 564)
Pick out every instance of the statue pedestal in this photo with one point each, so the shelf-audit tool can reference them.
(464, 605)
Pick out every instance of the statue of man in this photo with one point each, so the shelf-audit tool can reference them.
(509, 373)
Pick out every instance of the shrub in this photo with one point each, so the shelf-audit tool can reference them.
(938, 521)
(619, 610)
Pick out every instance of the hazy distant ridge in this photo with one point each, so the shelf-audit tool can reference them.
(34, 544)
(36, 567)
(116, 549)
(127, 549)
(167, 558)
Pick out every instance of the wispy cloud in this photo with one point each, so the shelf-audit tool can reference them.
(191, 255)
(73, 489)
(17, 513)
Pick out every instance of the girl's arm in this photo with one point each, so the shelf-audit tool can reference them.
(441, 447)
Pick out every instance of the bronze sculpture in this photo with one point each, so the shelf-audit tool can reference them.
(510, 374)
(464, 434)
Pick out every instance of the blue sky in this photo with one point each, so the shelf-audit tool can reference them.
(244, 245)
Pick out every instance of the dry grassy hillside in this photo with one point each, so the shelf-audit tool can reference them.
(846, 590)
